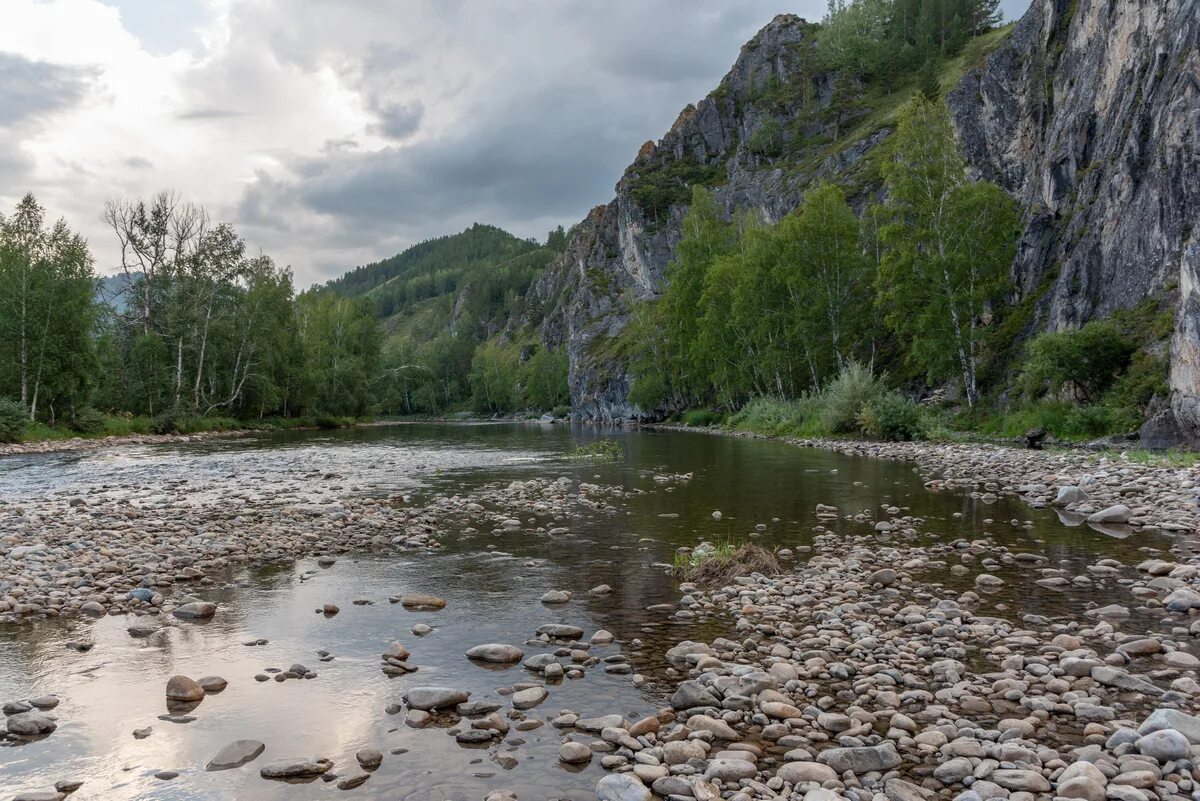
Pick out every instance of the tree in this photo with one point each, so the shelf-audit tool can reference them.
(826, 274)
(494, 379)
(948, 247)
(705, 237)
(47, 309)
(1089, 360)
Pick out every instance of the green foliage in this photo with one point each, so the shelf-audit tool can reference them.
(14, 419)
(702, 418)
(544, 376)
(799, 417)
(602, 450)
(89, 421)
(873, 38)
(767, 139)
(493, 379)
(1063, 419)
(655, 189)
(1087, 361)
(891, 416)
(947, 247)
(844, 399)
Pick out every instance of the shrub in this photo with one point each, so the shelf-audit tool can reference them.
(701, 417)
(13, 420)
(843, 399)
(89, 421)
(891, 416)
(775, 417)
(561, 411)
(163, 424)
(1088, 360)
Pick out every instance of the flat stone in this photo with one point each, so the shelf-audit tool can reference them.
(295, 768)
(500, 653)
(421, 601)
(30, 724)
(426, 698)
(236, 754)
(861, 759)
(196, 610)
(529, 698)
(560, 631)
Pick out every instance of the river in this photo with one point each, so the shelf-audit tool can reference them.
(492, 582)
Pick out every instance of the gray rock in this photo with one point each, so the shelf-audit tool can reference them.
(621, 787)
(691, 694)
(30, 724)
(499, 653)
(295, 768)
(560, 631)
(426, 698)
(861, 759)
(1118, 513)
(1187, 725)
(236, 754)
(196, 610)
(1164, 745)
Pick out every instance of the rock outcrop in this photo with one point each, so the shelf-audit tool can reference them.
(1088, 113)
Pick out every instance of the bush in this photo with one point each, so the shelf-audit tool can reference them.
(13, 420)
(163, 424)
(775, 417)
(561, 411)
(1088, 360)
(701, 417)
(891, 416)
(845, 397)
(89, 421)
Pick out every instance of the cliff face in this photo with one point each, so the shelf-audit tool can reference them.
(1090, 115)
(1087, 113)
(619, 253)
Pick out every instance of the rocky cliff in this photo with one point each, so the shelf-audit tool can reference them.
(1090, 115)
(1087, 113)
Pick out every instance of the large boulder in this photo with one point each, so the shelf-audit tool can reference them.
(497, 652)
(427, 698)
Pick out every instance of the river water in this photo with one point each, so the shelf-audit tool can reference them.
(491, 582)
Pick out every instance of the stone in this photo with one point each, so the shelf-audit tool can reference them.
(1164, 745)
(680, 751)
(797, 772)
(555, 597)
(1029, 781)
(30, 724)
(182, 688)
(369, 758)
(560, 631)
(730, 770)
(1068, 495)
(621, 787)
(529, 698)
(421, 601)
(295, 768)
(426, 698)
(691, 694)
(861, 759)
(499, 653)
(212, 684)
(1187, 725)
(236, 754)
(574, 753)
(196, 610)
(1118, 513)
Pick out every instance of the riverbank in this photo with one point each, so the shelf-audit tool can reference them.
(1084, 485)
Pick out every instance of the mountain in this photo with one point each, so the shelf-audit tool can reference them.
(432, 286)
(1085, 111)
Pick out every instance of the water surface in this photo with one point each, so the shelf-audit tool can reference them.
(492, 583)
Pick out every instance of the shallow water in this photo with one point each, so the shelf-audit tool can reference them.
(491, 582)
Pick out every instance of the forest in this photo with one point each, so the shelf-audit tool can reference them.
(201, 334)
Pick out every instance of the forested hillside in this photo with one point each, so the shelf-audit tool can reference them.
(446, 305)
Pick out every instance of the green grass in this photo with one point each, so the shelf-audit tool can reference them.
(720, 563)
(1065, 421)
(123, 425)
(720, 552)
(1168, 458)
(604, 450)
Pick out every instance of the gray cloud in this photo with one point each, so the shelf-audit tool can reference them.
(547, 103)
(399, 121)
(202, 114)
(30, 90)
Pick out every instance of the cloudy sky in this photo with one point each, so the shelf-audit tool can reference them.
(337, 132)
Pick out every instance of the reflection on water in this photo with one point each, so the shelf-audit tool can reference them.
(492, 583)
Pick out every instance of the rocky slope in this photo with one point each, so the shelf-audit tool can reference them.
(1087, 113)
